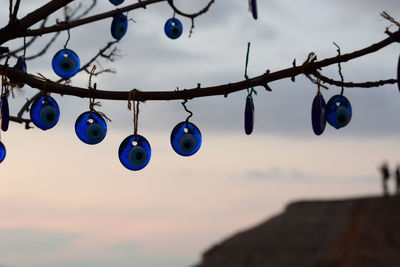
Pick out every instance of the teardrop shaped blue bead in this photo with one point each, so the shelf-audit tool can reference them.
(45, 112)
(3, 152)
(119, 26)
(173, 28)
(253, 4)
(66, 63)
(186, 139)
(116, 2)
(338, 111)
(5, 113)
(318, 119)
(398, 74)
(134, 152)
(20, 65)
(249, 115)
(91, 128)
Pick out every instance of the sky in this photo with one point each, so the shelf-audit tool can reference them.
(64, 203)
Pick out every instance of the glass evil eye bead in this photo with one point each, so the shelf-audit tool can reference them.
(119, 26)
(91, 128)
(173, 28)
(338, 111)
(253, 7)
(134, 152)
(45, 112)
(249, 115)
(20, 65)
(116, 2)
(186, 139)
(5, 113)
(2, 152)
(65, 63)
(318, 119)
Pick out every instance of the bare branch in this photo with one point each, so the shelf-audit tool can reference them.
(368, 84)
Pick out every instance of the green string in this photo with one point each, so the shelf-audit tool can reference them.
(251, 91)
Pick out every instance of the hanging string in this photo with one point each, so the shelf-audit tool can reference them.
(92, 99)
(187, 110)
(135, 103)
(250, 91)
(340, 68)
(69, 37)
(24, 46)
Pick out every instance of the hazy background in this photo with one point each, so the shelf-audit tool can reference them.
(64, 203)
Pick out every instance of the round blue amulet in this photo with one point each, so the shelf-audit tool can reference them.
(254, 12)
(338, 111)
(186, 139)
(20, 65)
(134, 152)
(249, 115)
(318, 119)
(116, 2)
(173, 28)
(91, 128)
(119, 26)
(66, 63)
(3, 152)
(45, 112)
(5, 113)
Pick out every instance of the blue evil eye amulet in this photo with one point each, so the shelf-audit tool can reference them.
(186, 138)
(2, 152)
(338, 111)
(249, 115)
(66, 63)
(20, 65)
(318, 119)
(173, 28)
(134, 152)
(5, 113)
(253, 7)
(116, 2)
(45, 112)
(119, 26)
(91, 128)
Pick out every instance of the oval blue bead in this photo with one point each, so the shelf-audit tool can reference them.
(66, 63)
(338, 111)
(119, 26)
(3, 152)
(318, 119)
(186, 138)
(91, 128)
(249, 115)
(134, 152)
(398, 74)
(45, 112)
(5, 113)
(173, 28)
(20, 65)
(253, 4)
(116, 2)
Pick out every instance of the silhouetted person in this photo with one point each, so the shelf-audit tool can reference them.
(385, 178)
(398, 180)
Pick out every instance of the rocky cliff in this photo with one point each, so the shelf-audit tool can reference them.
(341, 233)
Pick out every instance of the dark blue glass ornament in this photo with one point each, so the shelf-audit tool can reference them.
(398, 74)
(2, 152)
(116, 2)
(249, 115)
(119, 26)
(66, 63)
(91, 128)
(45, 112)
(5, 113)
(186, 138)
(134, 152)
(20, 65)
(173, 28)
(318, 119)
(338, 111)
(253, 6)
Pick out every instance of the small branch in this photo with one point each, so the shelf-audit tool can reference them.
(15, 12)
(21, 120)
(193, 15)
(351, 84)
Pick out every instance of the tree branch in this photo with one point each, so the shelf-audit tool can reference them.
(351, 84)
